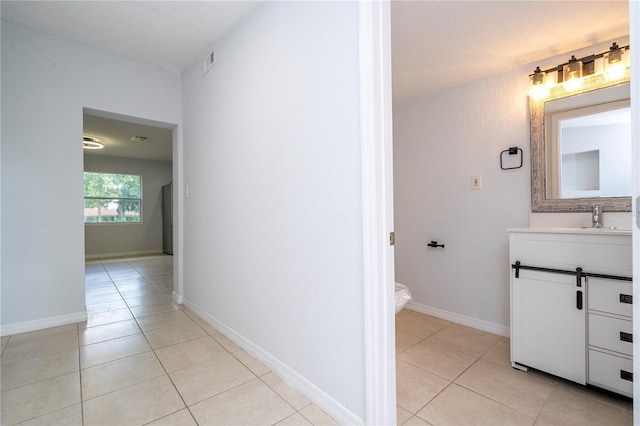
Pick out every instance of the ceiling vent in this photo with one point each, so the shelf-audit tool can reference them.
(139, 138)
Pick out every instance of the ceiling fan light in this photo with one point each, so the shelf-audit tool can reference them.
(92, 143)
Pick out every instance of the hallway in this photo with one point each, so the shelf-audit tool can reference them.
(141, 359)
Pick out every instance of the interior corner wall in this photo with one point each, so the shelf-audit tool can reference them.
(46, 82)
(123, 239)
(440, 141)
(273, 220)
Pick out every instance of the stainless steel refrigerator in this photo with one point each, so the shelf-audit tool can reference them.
(167, 218)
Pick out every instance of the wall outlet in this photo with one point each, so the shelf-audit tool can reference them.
(476, 182)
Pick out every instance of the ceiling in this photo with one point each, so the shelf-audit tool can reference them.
(169, 34)
(116, 137)
(435, 44)
(440, 44)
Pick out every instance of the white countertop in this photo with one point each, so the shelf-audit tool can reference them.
(588, 231)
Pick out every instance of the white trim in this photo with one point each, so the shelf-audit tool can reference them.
(124, 254)
(177, 297)
(377, 212)
(178, 214)
(293, 378)
(483, 325)
(40, 324)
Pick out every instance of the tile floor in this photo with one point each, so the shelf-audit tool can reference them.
(449, 374)
(140, 359)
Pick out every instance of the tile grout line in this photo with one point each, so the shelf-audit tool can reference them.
(159, 361)
(80, 369)
(259, 377)
(141, 332)
(453, 381)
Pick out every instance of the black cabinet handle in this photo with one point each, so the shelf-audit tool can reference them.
(579, 300)
(626, 375)
(579, 277)
(626, 298)
(626, 337)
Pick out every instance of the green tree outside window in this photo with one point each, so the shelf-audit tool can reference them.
(112, 198)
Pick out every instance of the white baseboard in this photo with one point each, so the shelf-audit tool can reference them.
(40, 324)
(293, 378)
(460, 319)
(123, 254)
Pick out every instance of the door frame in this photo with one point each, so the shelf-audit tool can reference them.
(634, 40)
(177, 294)
(377, 211)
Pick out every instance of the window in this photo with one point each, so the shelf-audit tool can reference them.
(111, 198)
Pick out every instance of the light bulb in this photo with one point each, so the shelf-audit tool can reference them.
(614, 66)
(539, 91)
(539, 88)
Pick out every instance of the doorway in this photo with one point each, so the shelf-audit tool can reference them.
(124, 181)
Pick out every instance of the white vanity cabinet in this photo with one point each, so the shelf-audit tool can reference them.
(570, 312)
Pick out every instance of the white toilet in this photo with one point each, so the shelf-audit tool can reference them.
(403, 295)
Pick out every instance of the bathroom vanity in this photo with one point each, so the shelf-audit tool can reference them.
(571, 304)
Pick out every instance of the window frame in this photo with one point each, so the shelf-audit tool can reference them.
(109, 199)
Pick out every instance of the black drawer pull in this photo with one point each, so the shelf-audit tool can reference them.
(626, 337)
(579, 300)
(626, 298)
(626, 375)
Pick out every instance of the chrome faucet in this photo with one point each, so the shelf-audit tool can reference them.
(596, 217)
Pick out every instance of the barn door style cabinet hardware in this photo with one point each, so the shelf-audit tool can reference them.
(571, 305)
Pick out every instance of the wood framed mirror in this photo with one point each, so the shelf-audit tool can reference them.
(547, 194)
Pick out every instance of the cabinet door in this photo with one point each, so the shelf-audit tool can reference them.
(547, 325)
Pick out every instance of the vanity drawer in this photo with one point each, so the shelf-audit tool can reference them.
(611, 296)
(611, 372)
(611, 333)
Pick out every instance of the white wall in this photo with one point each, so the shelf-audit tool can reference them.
(273, 222)
(46, 82)
(440, 141)
(112, 239)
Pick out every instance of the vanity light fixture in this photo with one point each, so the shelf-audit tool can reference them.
(611, 65)
(572, 74)
(92, 143)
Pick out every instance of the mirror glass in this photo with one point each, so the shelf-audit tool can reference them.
(581, 151)
(588, 140)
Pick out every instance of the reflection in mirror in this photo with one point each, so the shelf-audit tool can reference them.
(581, 151)
(589, 145)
